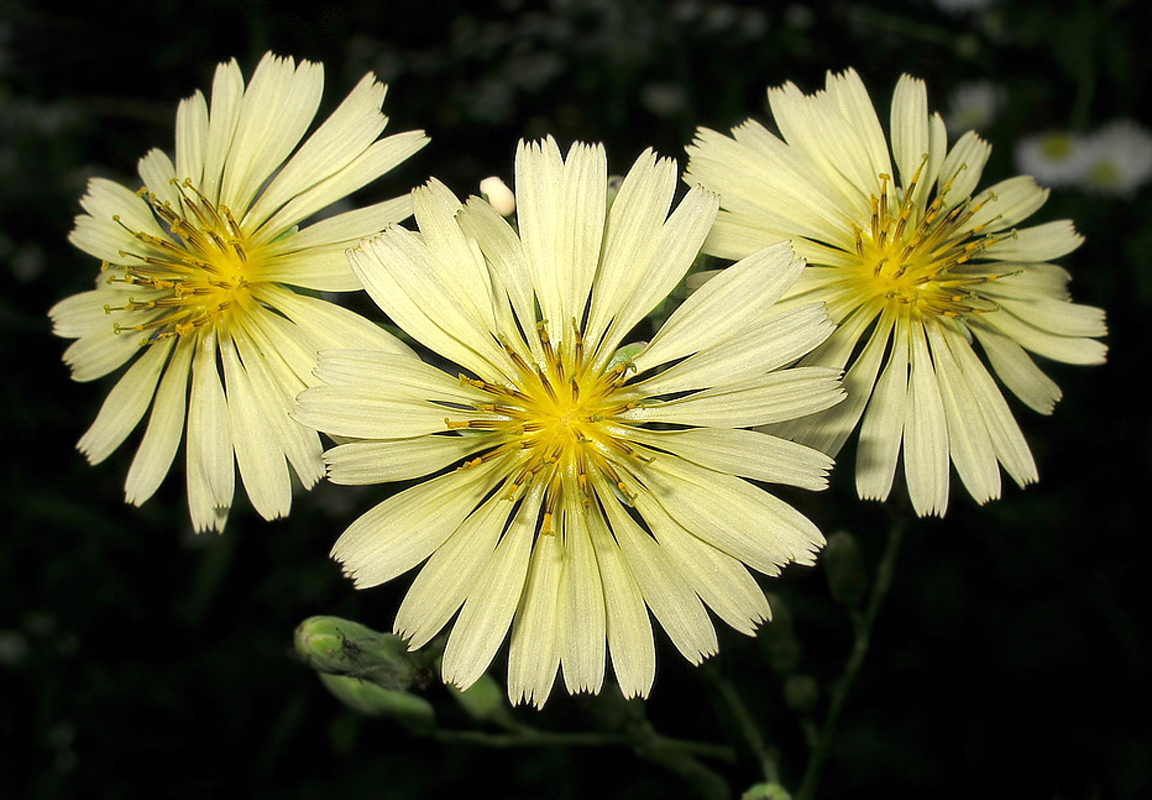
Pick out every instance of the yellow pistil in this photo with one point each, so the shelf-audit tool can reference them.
(192, 276)
(557, 423)
(911, 257)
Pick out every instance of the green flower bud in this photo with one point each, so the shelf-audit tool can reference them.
(766, 791)
(778, 639)
(483, 700)
(371, 700)
(844, 566)
(335, 646)
(801, 693)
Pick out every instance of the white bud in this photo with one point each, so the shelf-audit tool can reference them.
(498, 195)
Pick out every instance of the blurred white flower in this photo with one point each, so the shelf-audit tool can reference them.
(960, 6)
(973, 106)
(1117, 159)
(664, 99)
(1055, 158)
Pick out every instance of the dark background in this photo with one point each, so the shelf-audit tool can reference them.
(1013, 653)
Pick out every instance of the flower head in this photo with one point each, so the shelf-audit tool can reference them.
(1118, 159)
(195, 285)
(974, 106)
(1055, 158)
(915, 269)
(570, 482)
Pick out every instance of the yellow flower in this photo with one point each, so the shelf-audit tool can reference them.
(195, 284)
(915, 270)
(573, 485)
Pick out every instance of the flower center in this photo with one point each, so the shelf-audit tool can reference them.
(1104, 174)
(915, 259)
(557, 423)
(1057, 146)
(192, 276)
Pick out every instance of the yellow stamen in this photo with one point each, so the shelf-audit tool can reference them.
(197, 273)
(907, 255)
(557, 423)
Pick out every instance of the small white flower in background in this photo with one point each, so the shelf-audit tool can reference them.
(1118, 159)
(916, 268)
(973, 106)
(1054, 158)
(573, 485)
(195, 289)
(962, 6)
(497, 193)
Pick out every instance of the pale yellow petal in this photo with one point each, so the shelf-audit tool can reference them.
(405, 529)
(487, 614)
(125, 405)
(165, 428)
(210, 472)
(451, 574)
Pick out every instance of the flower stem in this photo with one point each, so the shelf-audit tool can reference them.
(862, 623)
(745, 722)
(530, 737)
(677, 755)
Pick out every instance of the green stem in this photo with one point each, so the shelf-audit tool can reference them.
(530, 737)
(673, 756)
(863, 624)
(900, 25)
(677, 755)
(1085, 65)
(746, 723)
